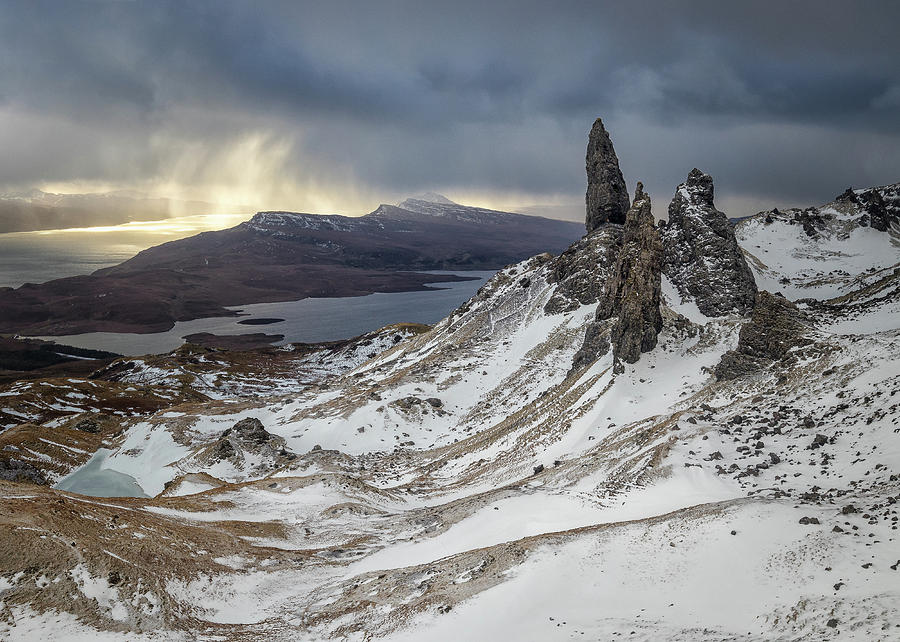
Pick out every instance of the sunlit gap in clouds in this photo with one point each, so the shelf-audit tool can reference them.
(228, 181)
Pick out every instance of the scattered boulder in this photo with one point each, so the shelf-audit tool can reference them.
(88, 425)
(701, 256)
(408, 404)
(809, 520)
(606, 199)
(818, 442)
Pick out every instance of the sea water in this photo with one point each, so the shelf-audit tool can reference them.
(35, 257)
(305, 321)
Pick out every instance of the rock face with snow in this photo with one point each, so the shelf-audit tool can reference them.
(20, 471)
(880, 206)
(775, 328)
(826, 251)
(607, 197)
(579, 271)
(702, 258)
(631, 295)
(248, 438)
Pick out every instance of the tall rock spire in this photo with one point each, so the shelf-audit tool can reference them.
(607, 197)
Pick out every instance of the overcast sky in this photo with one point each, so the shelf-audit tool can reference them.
(337, 106)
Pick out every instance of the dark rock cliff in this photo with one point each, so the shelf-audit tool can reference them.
(580, 272)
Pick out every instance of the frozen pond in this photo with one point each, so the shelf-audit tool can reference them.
(307, 321)
(94, 480)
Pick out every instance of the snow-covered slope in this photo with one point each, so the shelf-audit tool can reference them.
(469, 483)
(822, 252)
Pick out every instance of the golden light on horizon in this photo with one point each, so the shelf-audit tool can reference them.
(257, 173)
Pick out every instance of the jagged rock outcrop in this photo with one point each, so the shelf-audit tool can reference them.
(775, 327)
(247, 437)
(581, 271)
(634, 291)
(879, 206)
(701, 256)
(607, 197)
(631, 295)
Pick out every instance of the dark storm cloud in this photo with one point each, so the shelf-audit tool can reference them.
(782, 101)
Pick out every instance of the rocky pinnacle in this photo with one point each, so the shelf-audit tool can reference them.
(607, 197)
(702, 258)
(628, 315)
(633, 292)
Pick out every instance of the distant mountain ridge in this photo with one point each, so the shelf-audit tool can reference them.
(282, 256)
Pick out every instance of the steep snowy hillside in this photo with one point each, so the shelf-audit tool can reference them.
(578, 452)
(825, 252)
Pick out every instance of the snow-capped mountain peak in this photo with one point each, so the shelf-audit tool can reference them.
(429, 197)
